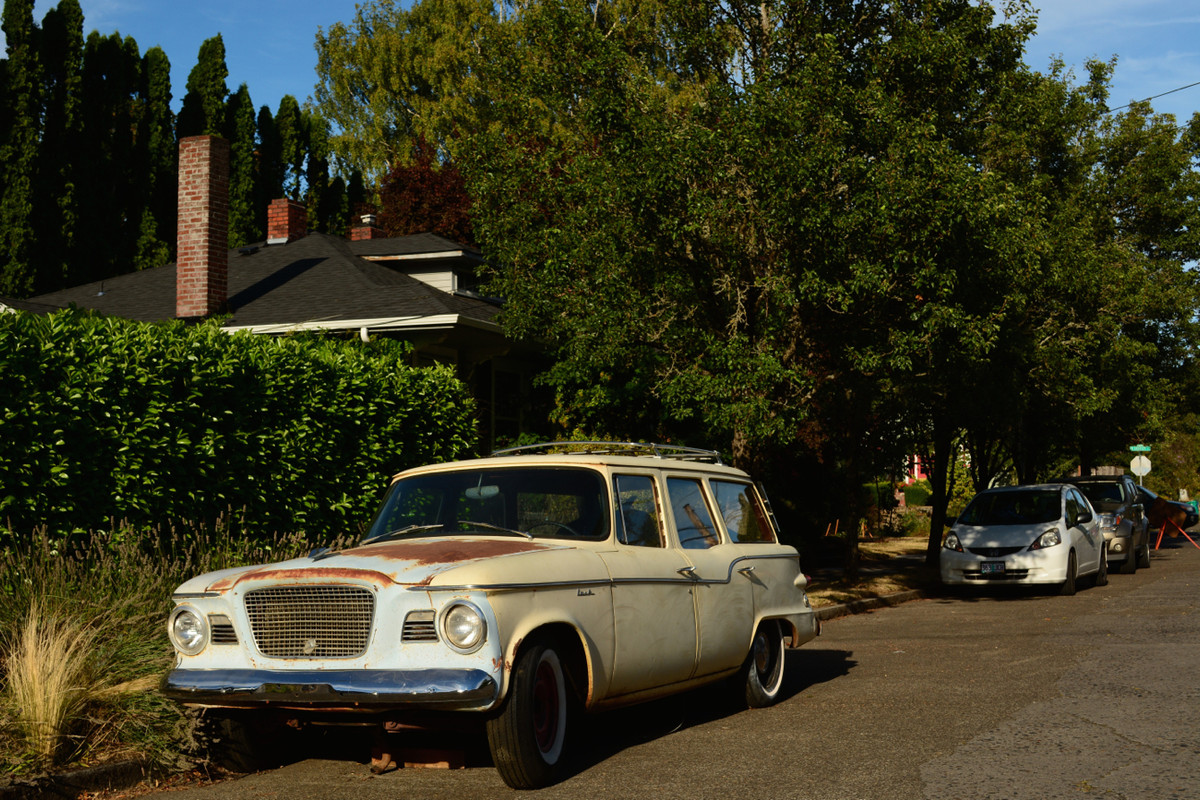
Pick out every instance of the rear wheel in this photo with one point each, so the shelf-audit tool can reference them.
(1130, 564)
(526, 738)
(763, 670)
(1068, 585)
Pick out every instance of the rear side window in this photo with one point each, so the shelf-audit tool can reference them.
(745, 518)
(693, 521)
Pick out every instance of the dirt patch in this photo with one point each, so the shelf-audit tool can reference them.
(871, 582)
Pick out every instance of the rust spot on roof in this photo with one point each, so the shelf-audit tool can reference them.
(314, 573)
(449, 551)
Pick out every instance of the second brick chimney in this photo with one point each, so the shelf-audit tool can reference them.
(287, 221)
(202, 242)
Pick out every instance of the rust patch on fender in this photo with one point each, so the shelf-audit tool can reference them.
(447, 552)
(316, 573)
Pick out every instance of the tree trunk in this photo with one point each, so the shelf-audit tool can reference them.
(943, 441)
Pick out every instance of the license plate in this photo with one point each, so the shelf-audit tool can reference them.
(991, 568)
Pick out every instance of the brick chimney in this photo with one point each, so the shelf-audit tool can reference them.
(366, 229)
(287, 221)
(202, 242)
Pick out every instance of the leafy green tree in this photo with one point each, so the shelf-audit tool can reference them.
(393, 76)
(203, 110)
(18, 150)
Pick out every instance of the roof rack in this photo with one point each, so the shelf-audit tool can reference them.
(646, 449)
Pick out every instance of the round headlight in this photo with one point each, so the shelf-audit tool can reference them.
(189, 630)
(952, 542)
(464, 627)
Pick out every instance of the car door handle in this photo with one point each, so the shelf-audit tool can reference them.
(687, 572)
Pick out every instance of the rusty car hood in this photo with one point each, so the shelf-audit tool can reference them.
(412, 562)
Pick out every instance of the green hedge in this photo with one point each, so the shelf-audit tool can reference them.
(104, 420)
(917, 493)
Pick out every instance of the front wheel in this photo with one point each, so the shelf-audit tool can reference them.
(1101, 578)
(1068, 585)
(1143, 559)
(763, 670)
(526, 738)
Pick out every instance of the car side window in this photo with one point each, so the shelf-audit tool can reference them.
(693, 521)
(745, 519)
(637, 511)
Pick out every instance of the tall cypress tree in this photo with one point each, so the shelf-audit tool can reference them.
(55, 199)
(269, 177)
(320, 205)
(290, 125)
(18, 150)
(240, 129)
(110, 185)
(203, 110)
(157, 162)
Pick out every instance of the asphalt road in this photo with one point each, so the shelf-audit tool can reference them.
(1010, 695)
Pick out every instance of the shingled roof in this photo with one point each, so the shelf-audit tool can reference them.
(317, 281)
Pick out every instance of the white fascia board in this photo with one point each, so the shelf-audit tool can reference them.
(437, 321)
(419, 256)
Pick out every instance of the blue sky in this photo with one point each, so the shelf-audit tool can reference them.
(269, 43)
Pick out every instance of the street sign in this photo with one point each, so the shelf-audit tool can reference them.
(1139, 448)
(1140, 466)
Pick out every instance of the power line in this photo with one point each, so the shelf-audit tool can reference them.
(1155, 97)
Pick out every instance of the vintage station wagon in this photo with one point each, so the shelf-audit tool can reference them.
(521, 589)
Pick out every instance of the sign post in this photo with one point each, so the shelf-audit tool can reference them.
(1140, 465)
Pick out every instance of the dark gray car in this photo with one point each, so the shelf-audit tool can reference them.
(1122, 518)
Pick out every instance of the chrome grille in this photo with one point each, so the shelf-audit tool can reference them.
(311, 621)
(419, 627)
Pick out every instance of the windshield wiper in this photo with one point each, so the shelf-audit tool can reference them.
(490, 527)
(407, 529)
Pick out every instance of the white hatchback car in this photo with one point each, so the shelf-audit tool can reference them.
(1046, 534)
(517, 588)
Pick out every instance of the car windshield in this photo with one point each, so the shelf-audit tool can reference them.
(1102, 492)
(1027, 507)
(557, 502)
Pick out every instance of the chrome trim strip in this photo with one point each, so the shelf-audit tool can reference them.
(506, 587)
(438, 688)
(193, 595)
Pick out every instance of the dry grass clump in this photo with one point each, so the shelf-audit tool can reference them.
(83, 640)
(49, 681)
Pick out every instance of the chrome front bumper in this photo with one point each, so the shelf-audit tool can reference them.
(370, 690)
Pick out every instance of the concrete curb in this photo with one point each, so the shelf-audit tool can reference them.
(825, 613)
